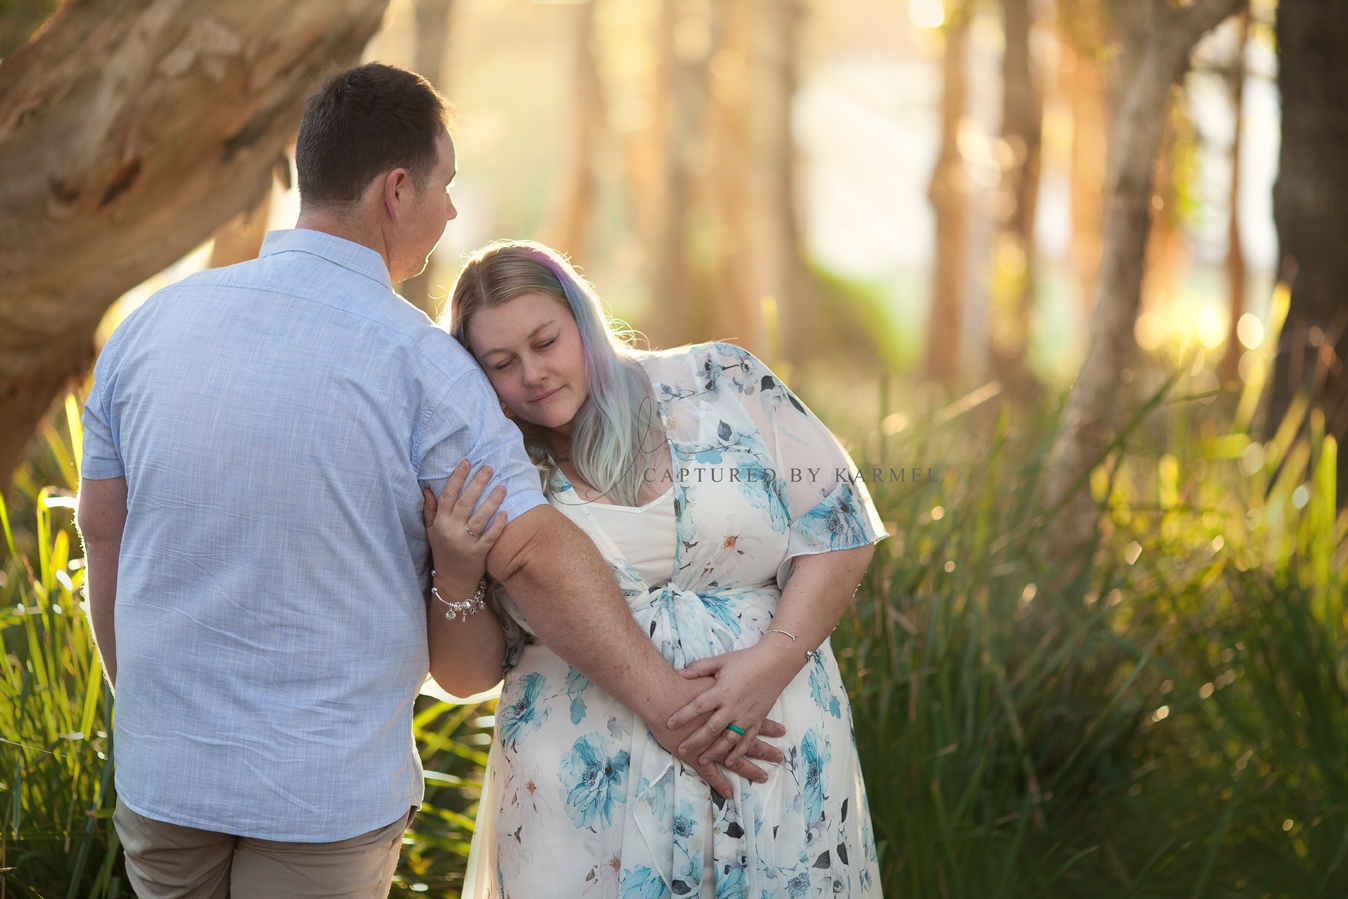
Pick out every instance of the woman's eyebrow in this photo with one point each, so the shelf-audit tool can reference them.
(532, 334)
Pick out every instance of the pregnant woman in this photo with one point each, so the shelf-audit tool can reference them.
(721, 506)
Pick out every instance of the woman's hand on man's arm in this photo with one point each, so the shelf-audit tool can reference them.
(466, 652)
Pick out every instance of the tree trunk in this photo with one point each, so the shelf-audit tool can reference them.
(949, 195)
(779, 268)
(139, 126)
(734, 84)
(762, 268)
(432, 34)
(1229, 369)
(1089, 173)
(669, 174)
(1012, 306)
(1166, 37)
(240, 238)
(590, 122)
(1310, 209)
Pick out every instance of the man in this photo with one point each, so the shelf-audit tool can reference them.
(255, 446)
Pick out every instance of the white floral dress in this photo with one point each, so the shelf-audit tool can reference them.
(579, 798)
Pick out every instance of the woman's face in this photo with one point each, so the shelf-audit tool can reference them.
(530, 349)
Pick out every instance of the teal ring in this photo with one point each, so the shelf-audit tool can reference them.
(735, 729)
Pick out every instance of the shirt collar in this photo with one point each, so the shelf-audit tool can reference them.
(337, 250)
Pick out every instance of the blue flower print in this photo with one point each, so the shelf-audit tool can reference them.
(819, 689)
(593, 780)
(723, 609)
(815, 756)
(731, 885)
(523, 715)
(575, 689)
(684, 821)
(835, 523)
(765, 492)
(643, 882)
(629, 581)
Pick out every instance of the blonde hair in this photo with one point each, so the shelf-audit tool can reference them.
(610, 435)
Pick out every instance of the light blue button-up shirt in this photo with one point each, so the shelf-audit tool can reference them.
(275, 421)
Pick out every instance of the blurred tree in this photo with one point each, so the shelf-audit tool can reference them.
(1013, 206)
(138, 128)
(768, 298)
(590, 128)
(1084, 44)
(241, 238)
(949, 195)
(1310, 209)
(431, 36)
(664, 165)
(1167, 256)
(1158, 40)
(1228, 370)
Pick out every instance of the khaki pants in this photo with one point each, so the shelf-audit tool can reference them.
(168, 861)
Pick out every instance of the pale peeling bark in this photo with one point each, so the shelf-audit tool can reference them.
(1167, 39)
(129, 131)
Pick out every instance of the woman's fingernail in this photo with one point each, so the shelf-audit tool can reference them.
(703, 762)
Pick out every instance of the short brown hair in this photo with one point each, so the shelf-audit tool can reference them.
(364, 121)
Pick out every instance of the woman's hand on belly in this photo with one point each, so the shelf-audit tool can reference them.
(747, 685)
(705, 762)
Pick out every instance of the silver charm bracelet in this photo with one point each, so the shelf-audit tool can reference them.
(471, 606)
(809, 653)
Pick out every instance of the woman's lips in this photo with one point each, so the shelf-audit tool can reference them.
(545, 396)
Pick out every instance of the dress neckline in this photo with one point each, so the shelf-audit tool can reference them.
(599, 504)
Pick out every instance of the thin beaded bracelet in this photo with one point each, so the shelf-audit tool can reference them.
(470, 606)
(809, 653)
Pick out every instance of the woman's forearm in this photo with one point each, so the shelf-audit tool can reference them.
(749, 681)
(465, 656)
(818, 590)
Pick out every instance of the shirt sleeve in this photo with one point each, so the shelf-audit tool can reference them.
(467, 423)
(829, 508)
(100, 458)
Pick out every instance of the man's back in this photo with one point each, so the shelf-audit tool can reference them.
(272, 421)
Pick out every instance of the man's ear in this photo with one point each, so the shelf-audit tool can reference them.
(396, 185)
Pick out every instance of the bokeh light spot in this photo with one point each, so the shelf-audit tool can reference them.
(926, 13)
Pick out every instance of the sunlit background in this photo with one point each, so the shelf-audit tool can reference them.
(865, 132)
(846, 188)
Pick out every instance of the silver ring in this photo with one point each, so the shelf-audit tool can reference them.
(470, 533)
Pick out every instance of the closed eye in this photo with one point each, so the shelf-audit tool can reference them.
(544, 346)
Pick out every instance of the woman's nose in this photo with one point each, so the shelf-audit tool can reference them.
(533, 374)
